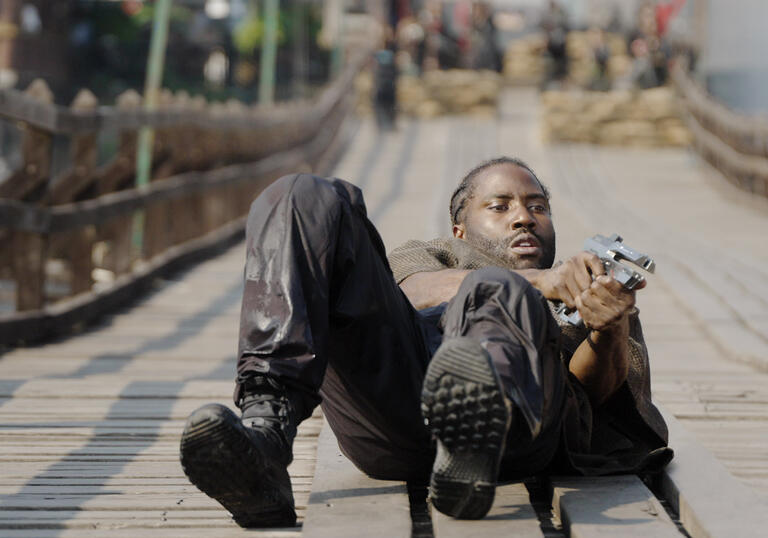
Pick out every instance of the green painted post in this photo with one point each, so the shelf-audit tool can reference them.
(337, 53)
(268, 53)
(151, 86)
(299, 49)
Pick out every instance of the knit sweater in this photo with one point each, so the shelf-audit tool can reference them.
(630, 414)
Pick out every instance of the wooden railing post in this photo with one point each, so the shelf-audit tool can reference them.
(231, 152)
(28, 252)
(118, 175)
(78, 184)
(28, 267)
(30, 182)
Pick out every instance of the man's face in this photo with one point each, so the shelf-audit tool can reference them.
(508, 217)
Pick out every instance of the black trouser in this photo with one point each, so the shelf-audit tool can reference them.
(323, 314)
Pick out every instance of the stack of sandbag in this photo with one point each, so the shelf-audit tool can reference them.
(630, 118)
(524, 61)
(456, 91)
(581, 54)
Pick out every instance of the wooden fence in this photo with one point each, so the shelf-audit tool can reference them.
(209, 162)
(735, 144)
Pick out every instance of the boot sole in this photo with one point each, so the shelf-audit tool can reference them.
(463, 402)
(219, 458)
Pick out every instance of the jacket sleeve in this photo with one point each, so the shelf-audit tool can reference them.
(418, 256)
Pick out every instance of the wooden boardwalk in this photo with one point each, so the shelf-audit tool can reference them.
(90, 425)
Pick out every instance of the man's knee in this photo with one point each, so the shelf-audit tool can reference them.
(298, 188)
(308, 193)
(499, 285)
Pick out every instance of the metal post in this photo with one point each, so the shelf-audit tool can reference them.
(337, 55)
(333, 13)
(152, 83)
(268, 53)
(299, 49)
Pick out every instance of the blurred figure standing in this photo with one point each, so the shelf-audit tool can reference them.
(602, 54)
(484, 51)
(385, 82)
(411, 46)
(647, 44)
(555, 26)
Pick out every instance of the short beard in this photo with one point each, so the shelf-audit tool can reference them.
(499, 249)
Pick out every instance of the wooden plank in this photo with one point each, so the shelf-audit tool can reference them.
(709, 500)
(511, 516)
(609, 506)
(346, 503)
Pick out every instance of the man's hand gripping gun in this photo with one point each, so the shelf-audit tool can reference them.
(612, 252)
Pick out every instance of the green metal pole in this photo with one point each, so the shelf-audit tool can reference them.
(268, 53)
(299, 49)
(151, 86)
(337, 53)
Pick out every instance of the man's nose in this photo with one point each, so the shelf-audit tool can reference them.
(521, 218)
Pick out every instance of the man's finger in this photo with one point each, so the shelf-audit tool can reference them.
(594, 264)
(574, 288)
(566, 296)
(583, 277)
(613, 294)
(609, 283)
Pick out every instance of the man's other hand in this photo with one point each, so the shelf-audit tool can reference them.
(568, 280)
(605, 303)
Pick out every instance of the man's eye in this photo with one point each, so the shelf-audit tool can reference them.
(498, 207)
(538, 208)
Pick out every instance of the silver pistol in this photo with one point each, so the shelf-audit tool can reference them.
(612, 251)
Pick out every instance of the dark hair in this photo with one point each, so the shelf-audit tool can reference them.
(466, 188)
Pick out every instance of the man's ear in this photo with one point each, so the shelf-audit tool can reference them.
(458, 231)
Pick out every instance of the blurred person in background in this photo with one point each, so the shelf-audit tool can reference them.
(648, 45)
(602, 54)
(555, 27)
(385, 82)
(484, 51)
(431, 20)
(411, 45)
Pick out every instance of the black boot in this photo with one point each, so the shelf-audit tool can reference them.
(469, 416)
(242, 463)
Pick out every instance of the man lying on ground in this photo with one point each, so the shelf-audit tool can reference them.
(444, 363)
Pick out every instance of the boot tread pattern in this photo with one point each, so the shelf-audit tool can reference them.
(464, 406)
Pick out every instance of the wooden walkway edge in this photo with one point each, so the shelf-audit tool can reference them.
(709, 500)
(345, 503)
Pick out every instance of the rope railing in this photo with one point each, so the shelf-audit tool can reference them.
(735, 144)
(209, 162)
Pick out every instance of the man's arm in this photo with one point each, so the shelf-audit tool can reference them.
(562, 283)
(601, 362)
(431, 288)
